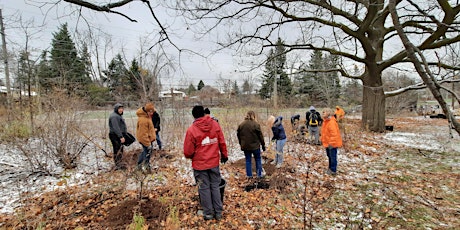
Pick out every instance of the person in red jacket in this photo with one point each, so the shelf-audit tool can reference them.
(204, 143)
(331, 139)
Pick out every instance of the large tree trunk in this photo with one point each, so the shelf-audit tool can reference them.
(373, 112)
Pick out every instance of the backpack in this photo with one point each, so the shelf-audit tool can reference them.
(313, 119)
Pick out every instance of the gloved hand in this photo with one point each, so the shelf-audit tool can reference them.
(330, 147)
(223, 160)
(263, 148)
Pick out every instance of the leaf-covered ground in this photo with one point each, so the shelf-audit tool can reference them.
(381, 184)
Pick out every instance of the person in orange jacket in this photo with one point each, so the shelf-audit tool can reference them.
(331, 139)
(339, 113)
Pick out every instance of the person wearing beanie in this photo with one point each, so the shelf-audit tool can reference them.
(313, 121)
(205, 145)
(117, 130)
(145, 133)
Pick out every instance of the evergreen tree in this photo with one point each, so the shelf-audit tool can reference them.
(86, 62)
(200, 85)
(133, 83)
(26, 71)
(117, 77)
(321, 85)
(236, 89)
(45, 74)
(69, 71)
(191, 89)
(274, 67)
(246, 87)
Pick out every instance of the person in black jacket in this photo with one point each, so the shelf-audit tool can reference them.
(156, 125)
(117, 131)
(313, 121)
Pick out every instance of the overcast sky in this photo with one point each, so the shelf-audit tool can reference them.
(125, 34)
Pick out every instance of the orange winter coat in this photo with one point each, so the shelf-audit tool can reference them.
(145, 132)
(330, 133)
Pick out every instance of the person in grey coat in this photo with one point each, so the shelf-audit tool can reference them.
(117, 131)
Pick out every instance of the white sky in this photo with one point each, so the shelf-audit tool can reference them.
(124, 33)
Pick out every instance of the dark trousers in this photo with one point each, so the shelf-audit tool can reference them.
(208, 187)
(158, 139)
(117, 149)
(332, 158)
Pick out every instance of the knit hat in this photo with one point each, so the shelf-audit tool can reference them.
(312, 107)
(149, 107)
(198, 111)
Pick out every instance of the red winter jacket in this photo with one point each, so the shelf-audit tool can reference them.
(204, 142)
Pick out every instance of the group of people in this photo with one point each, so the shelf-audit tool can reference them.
(147, 132)
(205, 145)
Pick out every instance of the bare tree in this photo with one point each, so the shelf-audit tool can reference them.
(419, 60)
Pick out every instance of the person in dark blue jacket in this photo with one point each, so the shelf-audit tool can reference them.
(279, 136)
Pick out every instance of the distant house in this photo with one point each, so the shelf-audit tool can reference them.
(179, 95)
(3, 90)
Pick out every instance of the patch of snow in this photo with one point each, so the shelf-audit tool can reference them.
(416, 141)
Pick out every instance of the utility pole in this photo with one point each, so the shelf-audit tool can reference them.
(275, 91)
(5, 58)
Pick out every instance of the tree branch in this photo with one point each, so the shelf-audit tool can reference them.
(105, 8)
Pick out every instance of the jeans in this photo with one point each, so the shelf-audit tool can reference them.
(145, 156)
(248, 155)
(208, 187)
(279, 150)
(332, 157)
(158, 140)
(117, 149)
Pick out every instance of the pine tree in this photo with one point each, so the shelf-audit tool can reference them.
(45, 74)
(133, 84)
(117, 77)
(200, 85)
(246, 87)
(236, 89)
(274, 67)
(65, 62)
(191, 89)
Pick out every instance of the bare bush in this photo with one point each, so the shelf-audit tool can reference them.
(56, 141)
